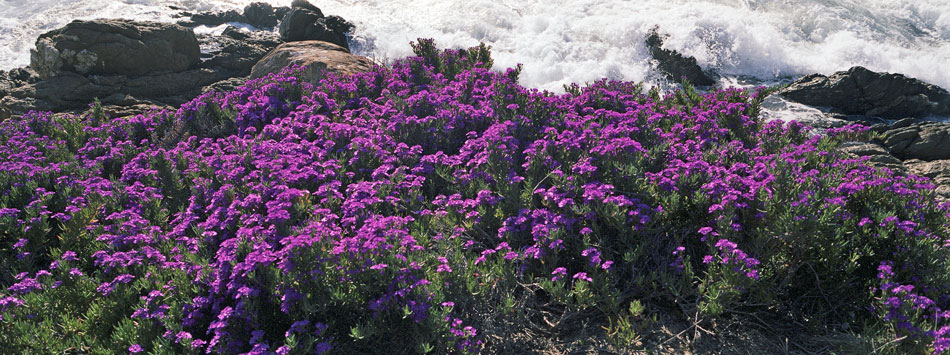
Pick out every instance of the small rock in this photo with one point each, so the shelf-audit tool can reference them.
(675, 65)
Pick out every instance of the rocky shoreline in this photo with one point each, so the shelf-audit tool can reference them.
(135, 66)
(132, 67)
(896, 107)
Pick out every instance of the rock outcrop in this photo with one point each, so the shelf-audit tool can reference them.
(133, 66)
(115, 47)
(879, 155)
(911, 147)
(925, 141)
(676, 66)
(305, 22)
(316, 57)
(859, 91)
(129, 83)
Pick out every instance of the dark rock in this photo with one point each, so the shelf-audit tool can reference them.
(15, 78)
(115, 47)
(25, 75)
(260, 15)
(71, 91)
(215, 18)
(308, 23)
(860, 91)
(906, 122)
(304, 4)
(315, 56)
(675, 65)
(926, 141)
(282, 11)
(235, 50)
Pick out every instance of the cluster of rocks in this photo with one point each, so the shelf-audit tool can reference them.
(133, 66)
(257, 14)
(894, 105)
(909, 143)
(909, 147)
(301, 21)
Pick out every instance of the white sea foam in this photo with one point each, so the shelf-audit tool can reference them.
(562, 41)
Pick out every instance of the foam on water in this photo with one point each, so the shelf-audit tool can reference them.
(564, 41)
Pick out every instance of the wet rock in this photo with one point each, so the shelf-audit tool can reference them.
(316, 57)
(305, 22)
(675, 65)
(860, 91)
(115, 47)
(926, 141)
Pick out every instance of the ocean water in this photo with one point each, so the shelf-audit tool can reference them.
(560, 41)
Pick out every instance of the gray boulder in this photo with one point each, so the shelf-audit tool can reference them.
(860, 91)
(115, 47)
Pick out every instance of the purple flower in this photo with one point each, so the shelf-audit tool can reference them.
(582, 276)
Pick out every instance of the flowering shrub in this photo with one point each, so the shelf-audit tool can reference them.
(394, 205)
